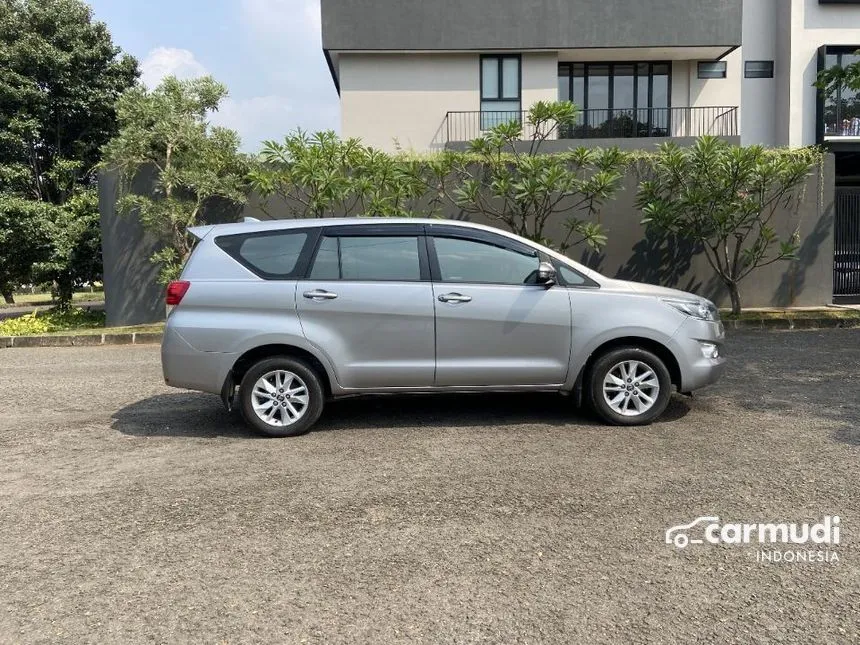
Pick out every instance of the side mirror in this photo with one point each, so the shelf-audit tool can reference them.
(546, 274)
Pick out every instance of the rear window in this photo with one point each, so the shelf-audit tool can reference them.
(273, 255)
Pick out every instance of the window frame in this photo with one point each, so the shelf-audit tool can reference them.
(761, 73)
(501, 75)
(231, 243)
(721, 75)
(611, 76)
(372, 230)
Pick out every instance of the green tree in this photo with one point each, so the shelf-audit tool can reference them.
(505, 177)
(725, 198)
(321, 175)
(165, 130)
(60, 76)
(24, 240)
(74, 254)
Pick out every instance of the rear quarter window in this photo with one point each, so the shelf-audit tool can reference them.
(274, 255)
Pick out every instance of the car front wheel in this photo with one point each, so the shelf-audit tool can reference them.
(281, 397)
(629, 386)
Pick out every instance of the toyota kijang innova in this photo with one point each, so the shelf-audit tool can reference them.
(278, 317)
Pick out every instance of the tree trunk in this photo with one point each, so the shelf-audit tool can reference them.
(65, 289)
(736, 298)
(8, 295)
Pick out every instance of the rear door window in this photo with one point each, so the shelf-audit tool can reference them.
(370, 259)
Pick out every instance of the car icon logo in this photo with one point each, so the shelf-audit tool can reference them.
(679, 535)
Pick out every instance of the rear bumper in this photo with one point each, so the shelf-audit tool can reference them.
(186, 367)
(697, 371)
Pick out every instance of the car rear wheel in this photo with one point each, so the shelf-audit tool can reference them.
(281, 396)
(629, 386)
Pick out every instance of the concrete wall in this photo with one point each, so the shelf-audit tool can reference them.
(395, 101)
(401, 99)
(758, 96)
(133, 297)
(528, 24)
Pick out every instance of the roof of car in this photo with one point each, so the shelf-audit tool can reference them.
(275, 224)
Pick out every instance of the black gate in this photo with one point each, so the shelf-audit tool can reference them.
(846, 254)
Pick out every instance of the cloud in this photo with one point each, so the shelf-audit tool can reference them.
(285, 82)
(288, 46)
(169, 61)
(255, 119)
(297, 17)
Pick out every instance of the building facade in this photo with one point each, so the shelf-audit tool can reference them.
(420, 75)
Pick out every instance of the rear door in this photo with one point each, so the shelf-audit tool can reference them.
(367, 302)
(493, 328)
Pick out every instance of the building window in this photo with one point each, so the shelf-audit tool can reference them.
(617, 99)
(500, 90)
(712, 69)
(758, 69)
(841, 114)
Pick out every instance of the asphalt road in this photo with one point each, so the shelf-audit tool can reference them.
(130, 512)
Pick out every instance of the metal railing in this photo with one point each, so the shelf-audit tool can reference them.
(606, 124)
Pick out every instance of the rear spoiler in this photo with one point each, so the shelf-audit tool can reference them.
(200, 231)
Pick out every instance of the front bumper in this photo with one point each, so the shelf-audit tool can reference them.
(697, 371)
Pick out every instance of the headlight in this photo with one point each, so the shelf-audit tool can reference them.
(698, 308)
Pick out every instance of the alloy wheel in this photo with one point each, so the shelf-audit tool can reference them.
(280, 398)
(631, 388)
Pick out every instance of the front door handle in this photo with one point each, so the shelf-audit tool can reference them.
(454, 297)
(319, 294)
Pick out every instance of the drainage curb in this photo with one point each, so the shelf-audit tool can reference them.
(788, 324)
(81, 340)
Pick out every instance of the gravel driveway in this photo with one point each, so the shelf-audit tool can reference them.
(130, 512)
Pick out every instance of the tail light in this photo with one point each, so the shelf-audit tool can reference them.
(175, 291)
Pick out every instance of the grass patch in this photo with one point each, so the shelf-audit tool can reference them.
(802, 314)
(44, 299)
(52, 320)
(77, 321)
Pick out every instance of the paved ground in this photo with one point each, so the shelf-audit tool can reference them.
(131, 512)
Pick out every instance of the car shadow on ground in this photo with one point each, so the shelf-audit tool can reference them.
(191, 414)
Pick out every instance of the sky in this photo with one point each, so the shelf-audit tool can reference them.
(267, 52)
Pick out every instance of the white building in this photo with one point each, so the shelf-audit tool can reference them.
(421, 75)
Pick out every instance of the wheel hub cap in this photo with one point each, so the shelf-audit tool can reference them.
(631, 388)
(280, 398)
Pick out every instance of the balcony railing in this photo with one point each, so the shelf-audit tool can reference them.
(606, 124)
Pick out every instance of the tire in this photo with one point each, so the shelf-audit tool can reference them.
(625, 401)
(290, 383)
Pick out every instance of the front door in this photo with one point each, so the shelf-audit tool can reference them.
(368, 303)
(493, 328)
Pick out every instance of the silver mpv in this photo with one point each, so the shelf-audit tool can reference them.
(278, 317)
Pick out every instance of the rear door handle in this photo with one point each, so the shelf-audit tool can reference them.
(454, 297)
(319, 294)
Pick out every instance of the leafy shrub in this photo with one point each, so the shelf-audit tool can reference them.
(45, 322)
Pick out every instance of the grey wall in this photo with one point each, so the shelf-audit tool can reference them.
(528, 24)
(132, 297)
(132, 293)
